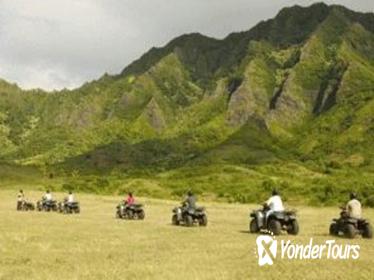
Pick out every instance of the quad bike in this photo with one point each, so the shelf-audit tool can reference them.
(130, 212)
(275, 223)
(188, 216)
(68, 208)
(25, 206)
(350, 227)
(46, 205)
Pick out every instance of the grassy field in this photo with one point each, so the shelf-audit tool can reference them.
(94, 245)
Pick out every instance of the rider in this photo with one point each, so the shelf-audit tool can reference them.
(274, 204)
(70, 199)
(130, 200)
(48, 196)
(190, 201)
(353, 207)
(20, 199)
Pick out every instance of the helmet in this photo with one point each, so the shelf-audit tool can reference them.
(274, 192)
(189, 193)
(352, 195)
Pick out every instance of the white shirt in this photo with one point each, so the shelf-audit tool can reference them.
(70, 198)
(48, 196)
(354, 209)
(275, 203)
(21, 197)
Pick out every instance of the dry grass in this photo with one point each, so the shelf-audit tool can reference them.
(94, 245)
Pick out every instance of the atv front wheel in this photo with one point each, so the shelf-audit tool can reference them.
(188, 221)
(253, 227)
(334, 229)
(349, 231)
(293, 228)
(118, 215)
(174, 220)
(275, 227)
(367, 231)
(203, 221)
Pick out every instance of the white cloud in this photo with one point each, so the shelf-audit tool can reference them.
(63, 43)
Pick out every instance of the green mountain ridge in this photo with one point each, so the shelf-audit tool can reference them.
(288, 103)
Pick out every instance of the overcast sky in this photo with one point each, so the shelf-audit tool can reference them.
(53, 44)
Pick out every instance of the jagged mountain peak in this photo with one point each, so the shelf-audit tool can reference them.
(307, 69)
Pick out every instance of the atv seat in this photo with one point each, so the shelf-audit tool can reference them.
(278, 215)
(135, 205)
(49, 202)
(72, 204)
(351, 220)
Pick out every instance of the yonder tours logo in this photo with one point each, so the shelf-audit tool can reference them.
(267, 249)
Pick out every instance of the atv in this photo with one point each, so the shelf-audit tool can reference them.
(130, 212)
(350, 227)
(188, 216)
(46, 205)
(276, 222)
(68, 208)
(25, 206)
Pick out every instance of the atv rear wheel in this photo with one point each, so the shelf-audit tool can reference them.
(203, 221)
(253, 227)
(141, 215)
(367, 231)
(293, 228)
(188, 221)
(349, 231)
(334, 229)
(275, 227)
(174, 220)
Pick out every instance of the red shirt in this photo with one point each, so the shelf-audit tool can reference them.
(130, 200)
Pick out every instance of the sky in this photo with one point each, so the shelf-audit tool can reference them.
(55, 44)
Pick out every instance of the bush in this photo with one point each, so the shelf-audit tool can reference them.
(369, 202)
(268, 185)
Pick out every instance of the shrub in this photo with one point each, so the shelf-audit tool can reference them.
(369, 201)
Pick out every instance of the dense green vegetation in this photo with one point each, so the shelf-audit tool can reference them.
(287, 104)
